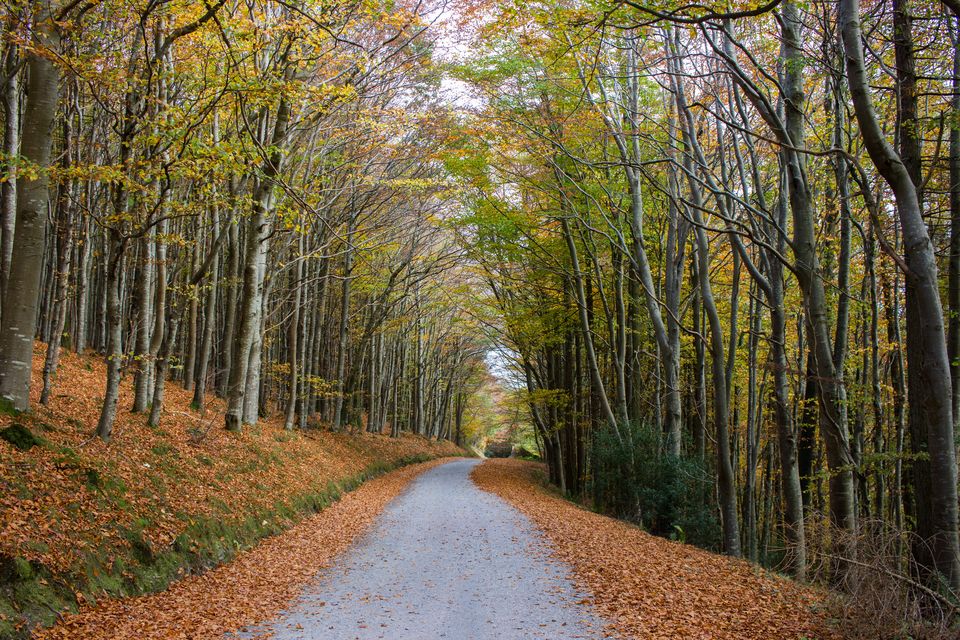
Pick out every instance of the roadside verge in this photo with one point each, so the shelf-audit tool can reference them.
(83, 521)
(253, 587)
(653, 588)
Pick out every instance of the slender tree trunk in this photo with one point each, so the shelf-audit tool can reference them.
(293, 334)
(159, 306)
(726, 480)
(953, 280)
(587, 331)
(11, 149)
(209, 322)
(252, 293)
(829, 380)
(82, 271)
(343, 331)
(230, 307)
(787, 435)
(255, 379)
(114, 312)
(144, 295)
(65, 224)
(700, 380)
(193, 318)
(162, 371)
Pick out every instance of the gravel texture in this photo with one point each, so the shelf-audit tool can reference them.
(444, 560)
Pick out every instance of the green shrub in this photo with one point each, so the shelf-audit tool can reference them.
(633, 480)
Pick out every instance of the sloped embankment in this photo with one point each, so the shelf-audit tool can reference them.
(81, 520)
(650, 587)
(251, 589)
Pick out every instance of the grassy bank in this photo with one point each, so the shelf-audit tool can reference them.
(81, 520)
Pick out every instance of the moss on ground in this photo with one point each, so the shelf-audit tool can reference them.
(20, 437)
(31, 597)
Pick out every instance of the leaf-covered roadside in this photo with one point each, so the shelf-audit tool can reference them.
(650, 587)
(80, 519)
(249, 590)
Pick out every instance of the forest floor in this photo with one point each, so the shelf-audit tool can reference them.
(421, 553)
(82, 521)
(650, 587)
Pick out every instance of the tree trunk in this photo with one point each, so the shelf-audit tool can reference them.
(114, 312)
(209, 322)
(929, 387)
(11, 149)
(293, 334)
(144, 294)
(230, 307)
(190, 357)
(257, 229)
(953, 280)
(80, 327)
(343, 331)
(162, 371)
(33, 196)
(64, 237)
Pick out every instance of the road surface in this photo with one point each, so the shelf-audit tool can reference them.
(444, 560)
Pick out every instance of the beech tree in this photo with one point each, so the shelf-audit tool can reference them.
(660, 173)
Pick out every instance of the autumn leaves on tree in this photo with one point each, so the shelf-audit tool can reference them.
(714, 232)
(244, 199)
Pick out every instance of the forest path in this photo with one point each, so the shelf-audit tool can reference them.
(444, 560)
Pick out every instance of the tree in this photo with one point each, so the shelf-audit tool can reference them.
(22, 290)
(929, 389)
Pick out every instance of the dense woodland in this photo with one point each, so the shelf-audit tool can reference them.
(717, 246)
(737, 226)
(242, 200)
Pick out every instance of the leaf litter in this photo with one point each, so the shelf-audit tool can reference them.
(652, 588)
(75, 500)
(251, 589)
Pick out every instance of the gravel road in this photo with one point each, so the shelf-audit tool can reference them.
(445, 560)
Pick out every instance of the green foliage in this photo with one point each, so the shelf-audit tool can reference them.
(633, 480)
(7, 408)
(162, 449)
(28, 593)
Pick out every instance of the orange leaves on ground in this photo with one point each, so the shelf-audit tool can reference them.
(649, 587)
(77, 493)
(76, 500)
(251, 589)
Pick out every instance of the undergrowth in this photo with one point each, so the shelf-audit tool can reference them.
(631, 479)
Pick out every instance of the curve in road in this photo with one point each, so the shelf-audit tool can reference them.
(444, 560)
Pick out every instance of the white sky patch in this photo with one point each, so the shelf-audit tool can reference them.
(454, 45)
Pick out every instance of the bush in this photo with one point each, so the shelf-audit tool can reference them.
(668, 496)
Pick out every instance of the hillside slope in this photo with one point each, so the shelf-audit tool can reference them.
(251, 589)
(80, 519)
